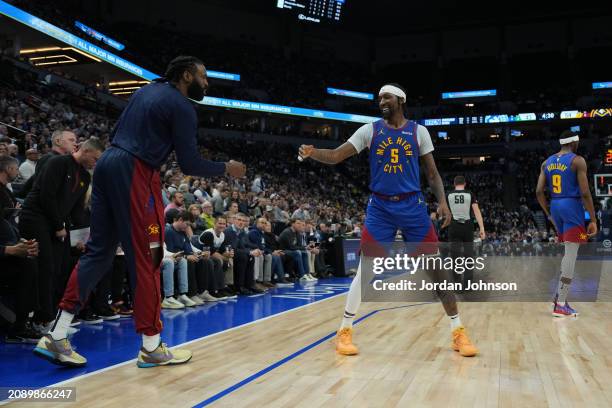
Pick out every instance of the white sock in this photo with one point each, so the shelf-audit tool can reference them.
(347, 320)
(60, 327)
(353, 300)
(455, 322)
(150, 343)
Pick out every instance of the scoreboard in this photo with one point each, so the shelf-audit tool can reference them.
(314, 11)
(603, 185)
(607, 157)
(603, 180)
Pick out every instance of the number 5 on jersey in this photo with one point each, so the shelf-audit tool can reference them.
(556, 182)
(394, 156)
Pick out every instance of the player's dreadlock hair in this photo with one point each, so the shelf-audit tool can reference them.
(178, 66)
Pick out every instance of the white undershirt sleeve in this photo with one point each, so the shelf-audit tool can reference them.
(424, 140)
(362, 137)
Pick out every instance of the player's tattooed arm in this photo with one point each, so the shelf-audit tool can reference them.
(328, 156)
(587, 200)
(433, 178)
(540, 191)
(437, 187)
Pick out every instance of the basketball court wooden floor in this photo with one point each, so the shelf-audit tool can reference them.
(528, 359)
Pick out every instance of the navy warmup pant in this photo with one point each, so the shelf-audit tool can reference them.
(126, 207)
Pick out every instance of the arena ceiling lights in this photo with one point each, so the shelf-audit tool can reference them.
(56, 56)
(78, 48)
(125, 87)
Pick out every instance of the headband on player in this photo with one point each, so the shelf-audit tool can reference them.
(570, 139)
(393, 90)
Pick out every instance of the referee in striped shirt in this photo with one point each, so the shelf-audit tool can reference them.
(464, 208)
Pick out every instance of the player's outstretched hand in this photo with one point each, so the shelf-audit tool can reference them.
(444, 214)
(235, 169)
(305, 151)
(592, 229)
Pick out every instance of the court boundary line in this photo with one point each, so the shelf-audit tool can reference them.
(290, 357)
(103, 370)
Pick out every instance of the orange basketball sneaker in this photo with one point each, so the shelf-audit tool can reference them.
(462, 343)
(344, 342)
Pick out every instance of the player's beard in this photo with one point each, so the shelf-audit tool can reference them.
(195, 91)
(387, 113)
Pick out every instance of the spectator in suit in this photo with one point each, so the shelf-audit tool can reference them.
(293, 244)
(272, 247)
(244, 280)
(215, 241)
(263, 261)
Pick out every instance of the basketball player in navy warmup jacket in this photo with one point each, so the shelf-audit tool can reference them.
(127, 207)
(396, 203)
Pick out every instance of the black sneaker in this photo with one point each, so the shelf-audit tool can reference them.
(25, 335)
(218, 294)
(256, 290)
(228, 293)
(107, 314)
(245, 292)
(89, 318)
(283, 283)
(122, 309)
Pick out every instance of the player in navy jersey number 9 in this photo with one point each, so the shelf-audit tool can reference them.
(397, 147)
(565, 174)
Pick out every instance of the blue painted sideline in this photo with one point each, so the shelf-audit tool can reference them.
(279, 363)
